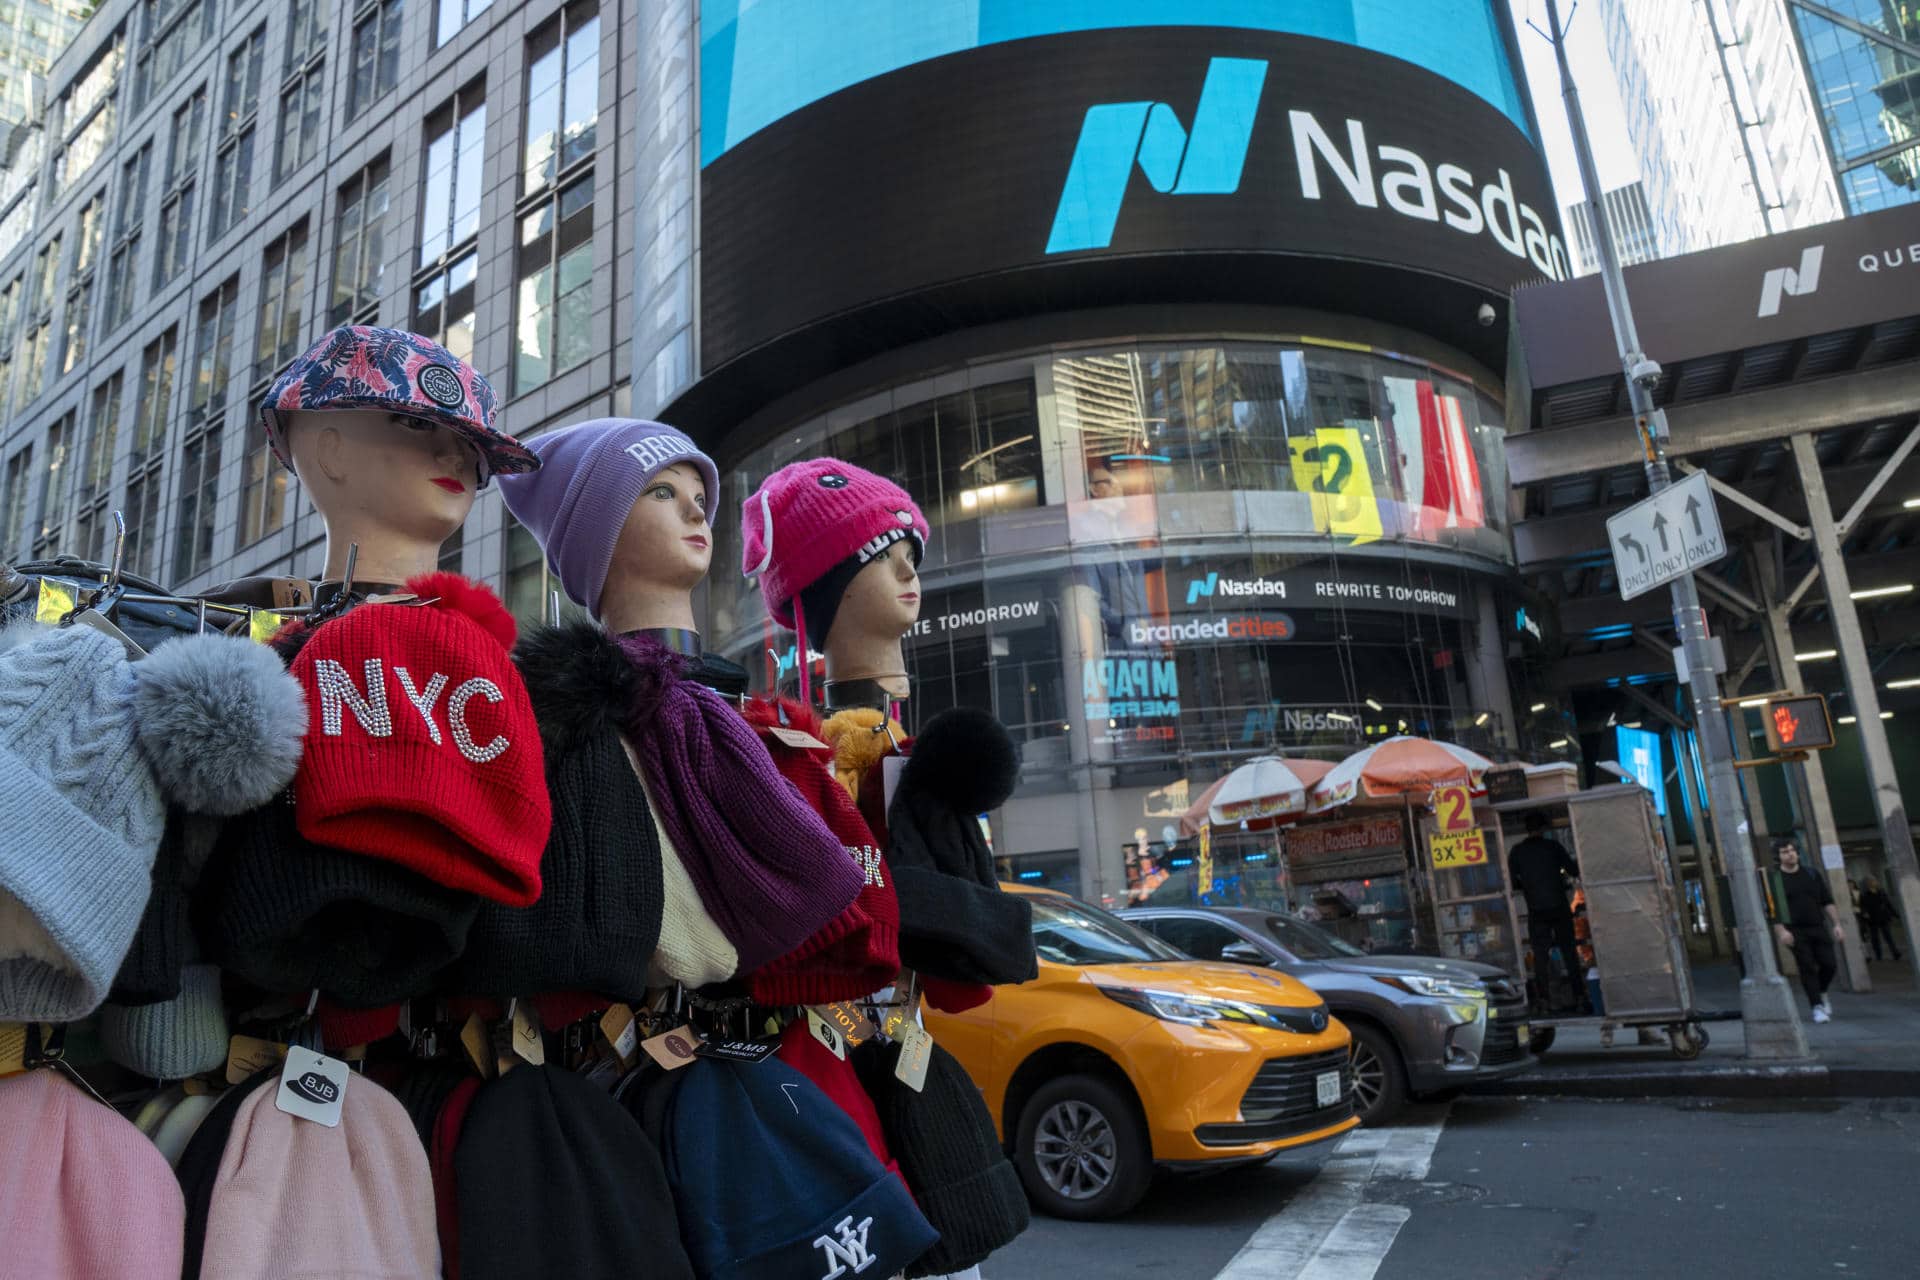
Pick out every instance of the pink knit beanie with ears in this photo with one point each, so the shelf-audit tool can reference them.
(810, 516)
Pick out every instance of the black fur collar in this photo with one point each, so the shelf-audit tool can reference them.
(580, 683)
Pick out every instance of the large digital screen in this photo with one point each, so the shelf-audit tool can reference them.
(1640, 756)
(761, 60)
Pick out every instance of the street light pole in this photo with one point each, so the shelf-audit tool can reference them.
(1771, 1021)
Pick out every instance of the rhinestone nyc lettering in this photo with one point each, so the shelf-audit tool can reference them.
(339, 694)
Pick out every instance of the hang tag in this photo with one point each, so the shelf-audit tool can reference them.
(527, 1041)
(824, 1032)
(56, 601)
(313, 1086)
(895, 1021)
(729, 1050)
(850, 1020)
(798, 738)
(916, 1054)
(479, 1047)
(247, 1056)
(262, 623)
(673, 1049)
(622, 1032)
(890, 770)
(13, 1048)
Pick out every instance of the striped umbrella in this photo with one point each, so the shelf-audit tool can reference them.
(1263, 792)
(1402, 766)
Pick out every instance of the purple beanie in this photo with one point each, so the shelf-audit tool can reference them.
(591, 474)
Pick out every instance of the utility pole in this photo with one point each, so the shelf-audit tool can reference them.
(1770, 1019)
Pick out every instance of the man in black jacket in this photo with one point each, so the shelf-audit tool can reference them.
(1539, 868)
(1809, 924)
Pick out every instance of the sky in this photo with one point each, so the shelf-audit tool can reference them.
(1599, 99)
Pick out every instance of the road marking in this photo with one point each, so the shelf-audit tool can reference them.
(1331, 1231)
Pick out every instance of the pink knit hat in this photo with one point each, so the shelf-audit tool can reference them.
(293, 1196)
(810, 516)
(82, 1192)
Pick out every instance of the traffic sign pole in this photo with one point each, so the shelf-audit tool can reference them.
(1771, 1020)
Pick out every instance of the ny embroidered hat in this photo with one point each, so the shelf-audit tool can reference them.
(809, 517)
(82, 1192)
(363, 367)
(84, 820)
(424, 750)
(773, 1181)
(591, 474)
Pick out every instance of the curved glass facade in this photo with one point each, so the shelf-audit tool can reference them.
(1152, 561)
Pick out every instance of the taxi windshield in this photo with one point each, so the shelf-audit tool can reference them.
(1070, 932)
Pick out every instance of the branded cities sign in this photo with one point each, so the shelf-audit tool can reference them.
(1674, 531)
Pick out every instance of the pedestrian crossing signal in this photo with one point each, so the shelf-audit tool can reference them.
(1798, 722)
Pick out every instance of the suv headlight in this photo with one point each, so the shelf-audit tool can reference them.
(1424, 984)
(1200, 1011)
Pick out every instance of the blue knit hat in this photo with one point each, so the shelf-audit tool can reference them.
(774, 1181)
(84, 817)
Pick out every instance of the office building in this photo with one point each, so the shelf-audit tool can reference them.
(1862, 58)
(32, 34)
(1630, 221)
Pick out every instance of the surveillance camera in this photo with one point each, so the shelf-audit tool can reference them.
(1486, 315)
(1645, 372)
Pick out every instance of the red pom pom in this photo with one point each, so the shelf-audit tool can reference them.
(465, 596)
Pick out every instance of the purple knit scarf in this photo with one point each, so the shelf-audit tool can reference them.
(768, 869)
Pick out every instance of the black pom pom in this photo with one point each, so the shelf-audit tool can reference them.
(967, 758)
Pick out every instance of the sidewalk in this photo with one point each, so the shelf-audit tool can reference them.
(1871, 1049)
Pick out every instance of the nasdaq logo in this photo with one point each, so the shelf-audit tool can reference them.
(1201, 587)
(1205, 160)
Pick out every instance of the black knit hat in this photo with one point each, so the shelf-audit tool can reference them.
(151, 971)
(943, 1140)
(199, 1164)
(597, 922)
(555, 1178)
(288, 915)
(954, 921)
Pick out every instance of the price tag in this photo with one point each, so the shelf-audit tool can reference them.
(737, 1050)
(622, 1032)
(56, 601)
(1452, 810)
(1458, 849)
(527, 1041)
(916, 1054)
(249, 1055)
(798, 738)
(850, 1020)
(824, 1032)
(479, 1047)
(673, 1049)
(312, 1086)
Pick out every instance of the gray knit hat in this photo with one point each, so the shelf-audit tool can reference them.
(84, 816)
(174, 1039)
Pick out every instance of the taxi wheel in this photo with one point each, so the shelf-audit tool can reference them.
(1379, 1081)
(1082, 1151)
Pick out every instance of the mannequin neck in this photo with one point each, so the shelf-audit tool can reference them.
(680, 640)
(384, 555)
(646, 607)
(857, 657)
(874, 695)
(326, 595)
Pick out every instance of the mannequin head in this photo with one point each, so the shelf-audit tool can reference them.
(662, 553)
(396, 485)
(877, 607)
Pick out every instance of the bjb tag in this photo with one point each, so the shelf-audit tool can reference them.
(824, 1032)
(312, 1087)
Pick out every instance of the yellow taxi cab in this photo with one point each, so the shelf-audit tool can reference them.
(1124, 1054)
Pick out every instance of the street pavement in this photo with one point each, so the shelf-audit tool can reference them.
(1690, 1188)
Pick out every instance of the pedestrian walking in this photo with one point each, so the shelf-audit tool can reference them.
(1811, 926)
(1876, 908)
(1539, 867)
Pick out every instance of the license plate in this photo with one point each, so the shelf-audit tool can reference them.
(1523, 1033)
(1326, 1088)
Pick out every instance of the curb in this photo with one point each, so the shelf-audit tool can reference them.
(1809, 1080)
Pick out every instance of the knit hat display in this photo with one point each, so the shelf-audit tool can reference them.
(199, 1165)
(363, 367)
(944, 1139)
(443, 1144)
(295, 1197)
(858, 951)
(773, 1181)
(220, 720)
(84, 817)
(170, 1039)
(150, 971)
(554, 1178)
(590, 476)
(692, 948)
(808, 517)
(288, 915)
(834, 1076)
(955, 923)
(597, 922)
(82, 1192)
(424, 751)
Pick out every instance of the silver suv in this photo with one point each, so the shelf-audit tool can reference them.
(1422, 1026)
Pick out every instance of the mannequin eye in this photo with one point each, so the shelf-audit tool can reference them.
(833, 480)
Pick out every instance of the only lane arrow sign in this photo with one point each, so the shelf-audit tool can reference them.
(1632, 544)
(1660, 527)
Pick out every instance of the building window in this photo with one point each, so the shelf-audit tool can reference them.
(283, 298)
(31, 372)
(91, 522)
(526, 576)
(443, 295)
(86, 254)
(176, 205)
(453, 551)
(199, 487)
(55, 476)
(85, 116)
(123, 285)
(13, 505)
(455, 14)
(9, 317)
(213, 352)
(563, 96)
(152, 411)
(376, 53)
(360, 244)
(233, 169)
(263, 493)
(171, 33)
(303, 88)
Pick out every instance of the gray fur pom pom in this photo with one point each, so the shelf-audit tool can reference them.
(220, 720)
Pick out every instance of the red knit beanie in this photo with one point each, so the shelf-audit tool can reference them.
(423, 749)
